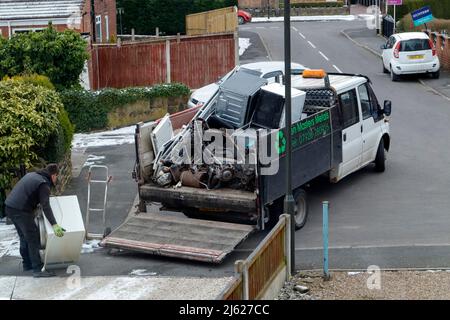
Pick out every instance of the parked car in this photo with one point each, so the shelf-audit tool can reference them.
(410, 53)
(244, 17)
(268, 69)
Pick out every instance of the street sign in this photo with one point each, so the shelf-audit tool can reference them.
(395, 2)
(422, 15)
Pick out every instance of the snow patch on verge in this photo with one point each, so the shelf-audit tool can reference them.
(244, 44)
(9, 241)
(307, 18)
(104, 138)
(93, 159)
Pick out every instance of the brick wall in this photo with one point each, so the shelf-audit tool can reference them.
(103, 8)
(442, 48)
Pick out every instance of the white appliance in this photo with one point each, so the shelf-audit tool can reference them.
(60, 252)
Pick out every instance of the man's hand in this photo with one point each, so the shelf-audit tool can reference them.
(59, 232)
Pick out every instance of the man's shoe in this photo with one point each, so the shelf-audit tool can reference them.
(43, 274)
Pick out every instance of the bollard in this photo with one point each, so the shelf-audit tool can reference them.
(326, 273)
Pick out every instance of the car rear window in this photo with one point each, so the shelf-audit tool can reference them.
(415, 45)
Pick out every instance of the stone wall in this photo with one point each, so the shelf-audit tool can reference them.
(442, 43)
(145, 110)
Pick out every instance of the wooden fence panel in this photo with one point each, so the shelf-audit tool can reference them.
(194, 61)
(210, 22)
(200, 61)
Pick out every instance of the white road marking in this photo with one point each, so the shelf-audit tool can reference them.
(295, 29)
(338, 70)
(301, 35)
(324, 56)
(311, 44)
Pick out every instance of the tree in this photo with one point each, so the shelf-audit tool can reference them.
(58, 55)
(144, 16)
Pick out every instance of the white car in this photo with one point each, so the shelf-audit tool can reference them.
(410, 53)
(269, 70)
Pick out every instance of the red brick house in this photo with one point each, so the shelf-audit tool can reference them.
(34, 15)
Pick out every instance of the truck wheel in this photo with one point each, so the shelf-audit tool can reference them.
(300, 209)
(380, 159)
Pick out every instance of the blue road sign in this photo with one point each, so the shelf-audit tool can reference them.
(422, 15)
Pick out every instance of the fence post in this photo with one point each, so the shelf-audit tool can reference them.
(240, 268)
(236, 48)
(168, 70)
(132, 35)
(326, 273)
(287, 244)
(157, 32)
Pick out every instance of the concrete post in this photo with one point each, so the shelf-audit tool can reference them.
(132, 35)
(168, 70)
(236, 48)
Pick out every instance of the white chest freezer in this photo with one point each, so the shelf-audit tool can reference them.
(60, 252)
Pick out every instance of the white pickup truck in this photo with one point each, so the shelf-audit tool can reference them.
(338, 127)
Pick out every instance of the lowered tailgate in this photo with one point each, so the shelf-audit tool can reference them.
(179, 237)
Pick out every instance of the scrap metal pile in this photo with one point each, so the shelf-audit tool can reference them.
(194, 162)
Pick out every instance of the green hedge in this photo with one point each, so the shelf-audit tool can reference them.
(60, 141)
(89, 110)
(29, 116)
(440, 8)
(58, 55)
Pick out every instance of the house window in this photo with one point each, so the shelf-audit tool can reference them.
(107, 28)
(26, 30)
(98, 28)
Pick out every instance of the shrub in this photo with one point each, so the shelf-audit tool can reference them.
(29, 117)
(58, 55)
(89, 110)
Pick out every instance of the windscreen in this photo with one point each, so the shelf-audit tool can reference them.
(415, 45)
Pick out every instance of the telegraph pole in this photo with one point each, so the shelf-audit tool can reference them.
(289, 199)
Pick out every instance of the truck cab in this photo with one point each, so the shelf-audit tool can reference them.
(365, 125)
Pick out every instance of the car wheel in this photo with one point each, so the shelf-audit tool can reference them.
(436, 75)
(380, 159)
(241, 20)
(384, 68)
(394, 77)
(300, 208)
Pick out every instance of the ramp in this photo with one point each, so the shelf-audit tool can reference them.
(180, 237)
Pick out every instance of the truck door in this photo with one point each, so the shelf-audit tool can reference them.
(351, 133)
(371, 130)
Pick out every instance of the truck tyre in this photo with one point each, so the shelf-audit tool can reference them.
(380, 159)
(300, 208)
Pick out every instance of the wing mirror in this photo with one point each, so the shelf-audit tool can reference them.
(387, 107)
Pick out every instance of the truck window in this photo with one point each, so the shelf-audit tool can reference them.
(377, 112)
(364, 98)
(349, 108)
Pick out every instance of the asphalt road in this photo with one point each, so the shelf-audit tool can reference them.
(401, 215)
(397, 219)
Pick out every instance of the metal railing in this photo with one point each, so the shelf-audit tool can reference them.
(255, 274)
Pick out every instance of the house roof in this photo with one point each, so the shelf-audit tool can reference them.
(40, 9)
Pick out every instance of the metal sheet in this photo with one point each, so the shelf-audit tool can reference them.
(180, 237)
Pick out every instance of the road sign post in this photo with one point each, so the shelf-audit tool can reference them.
(395, 3)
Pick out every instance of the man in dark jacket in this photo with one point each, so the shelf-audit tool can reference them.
(31, 190)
